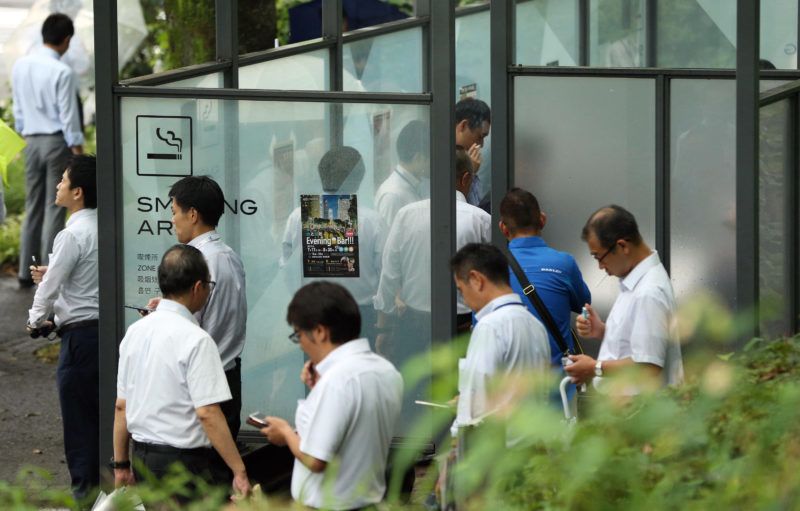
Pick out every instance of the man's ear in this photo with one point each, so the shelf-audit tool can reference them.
(461, 126)
(77, 193)
(504, 229)
(625, 246)
(543, 219)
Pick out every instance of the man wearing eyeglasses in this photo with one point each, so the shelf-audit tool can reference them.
(170, 383)
(197, 205)
(640, 331)
(344, 427)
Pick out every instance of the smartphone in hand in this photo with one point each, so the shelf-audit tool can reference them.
(256, 419)
(144, 311)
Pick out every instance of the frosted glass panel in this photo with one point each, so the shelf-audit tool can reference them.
(386, 63)
(617, 33)
(779, 33)
(774, 164)
(696, 33)
(306, 71)
(265, 156)
(473, 77)
(547, 33)
(212, 81)
(703, 186)
(590, 143)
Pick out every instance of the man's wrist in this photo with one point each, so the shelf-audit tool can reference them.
(119, 464)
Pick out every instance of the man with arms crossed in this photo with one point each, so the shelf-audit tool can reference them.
(45, 94)
(197, 205)
(68, 287)
(170, 382)
(640, 330)
(345, 425)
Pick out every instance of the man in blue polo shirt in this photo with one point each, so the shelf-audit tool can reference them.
(555, 274)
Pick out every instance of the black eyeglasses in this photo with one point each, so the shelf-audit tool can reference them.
(600, 259)
(210, 284)
(295, 337)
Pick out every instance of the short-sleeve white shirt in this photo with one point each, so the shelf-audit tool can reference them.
(399, 189)
(642, 324)
(169, 367)
(348, 419)
(224, 315)
(506, 340)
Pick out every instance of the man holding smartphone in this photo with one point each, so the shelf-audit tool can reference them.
(349, 417)
(68, 288)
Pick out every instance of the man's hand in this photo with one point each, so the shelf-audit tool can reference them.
(241, 486)
(309, 375)
(593, 327)
(123, 477)
(76, 149)
(152, 304)
(37, 273)
(582, 368)
(277, 430)
(474, 154)
(47, 327)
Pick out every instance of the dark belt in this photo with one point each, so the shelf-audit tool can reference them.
(59, 133)
(145, 448)
(76, 325)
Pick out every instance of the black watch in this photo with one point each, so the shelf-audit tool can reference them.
(113, 465)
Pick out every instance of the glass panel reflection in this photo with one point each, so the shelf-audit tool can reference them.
(547, 33)
(386, 63)
(617, 33)
(305, 71)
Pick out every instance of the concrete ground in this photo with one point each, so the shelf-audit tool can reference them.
(30, 418)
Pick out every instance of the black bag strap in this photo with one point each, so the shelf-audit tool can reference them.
(533, 297)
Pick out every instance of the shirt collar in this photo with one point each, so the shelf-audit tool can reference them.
(408, 176)
(204, 238)
(50, 52)
(177, 308)
(360, 345)
(639, 271)
(460, 196)
(85, 212)
(527, 241)
(496, 304)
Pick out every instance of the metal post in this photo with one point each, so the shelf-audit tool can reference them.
(651, 34)
(443, 215)
(422, 8)
(109, 217)
(332, 29)
(792, 217)
(502, 44)
(227, 31)
(747, 147)
(583, 32)
(663, 169)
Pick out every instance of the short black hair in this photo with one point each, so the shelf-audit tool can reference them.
(483, 258)
(413, 139)
(56, 28)
(327, 304)
(520, 211)
(201, 193)
(611, 224)
(475, 111)
(463, 163)
(339, 164)
(180, 268)
(82, 172)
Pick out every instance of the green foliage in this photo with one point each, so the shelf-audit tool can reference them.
(9, 240)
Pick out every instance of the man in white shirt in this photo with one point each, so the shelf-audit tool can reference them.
(344, 427)
(408, 182)
(341, 170)
(640, 331)
(46, 113)
(68, 288)
(507, 341)
(197, 205)
(170, 382)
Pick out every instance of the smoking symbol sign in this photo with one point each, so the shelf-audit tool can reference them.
(163, 145)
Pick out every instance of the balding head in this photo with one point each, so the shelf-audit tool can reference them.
(182, 266)
(610, 224)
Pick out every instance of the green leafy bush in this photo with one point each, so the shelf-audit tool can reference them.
(9, 240)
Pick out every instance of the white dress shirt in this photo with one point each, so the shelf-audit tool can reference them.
(224, 315)
(507, 340)
(349, 418)
(399, 189)
(169, 367)
(407, 256)
(45, 95)
(70, 286)
(372, 233)
(642, 325)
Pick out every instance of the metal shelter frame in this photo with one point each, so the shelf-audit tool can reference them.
(437, 19)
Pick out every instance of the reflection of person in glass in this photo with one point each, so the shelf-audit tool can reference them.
(408, 182)
(341, 170)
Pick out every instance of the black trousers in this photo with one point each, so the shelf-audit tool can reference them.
(79, 396)
(158, 459)
(232, 409)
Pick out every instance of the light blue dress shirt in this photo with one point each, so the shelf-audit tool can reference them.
(46, 96)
